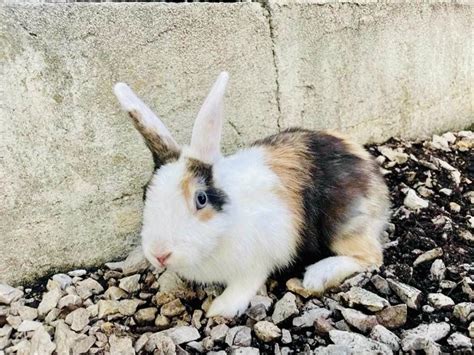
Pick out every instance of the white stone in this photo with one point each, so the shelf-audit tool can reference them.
(394, 155)
(219, 332)
(383, 335)
(307, 318)
(440, 301)
(438, 270)
(367, 299)
(130, 283)
(78, 319)
(182, 334)
(28, 326)
(359, 320)
(428, 256)
(121, 345)
(359, 342)
(239, 336)
(63, 280)
(133, 264)
(266, 331)
(413, 201)
(9, 294)
(41, 343)
(422, 336)
(411, 296)
(88, 287)
(285, 308)
(49, 301)
(458, 340)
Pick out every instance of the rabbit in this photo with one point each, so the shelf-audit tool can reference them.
(296, 198)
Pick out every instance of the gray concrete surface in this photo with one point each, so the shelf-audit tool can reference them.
(71, 164)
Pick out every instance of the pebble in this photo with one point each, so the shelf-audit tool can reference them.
(28, 326)
(428, 256)
(422, 336)
(49, 301)
(219, 332)
(146, 315)
(471, 329)
(286, 336)
(88, 287)
(133, 264)
(380, 284)
(438, 270)
(308, 318)
(243, 351)
(41, 343)
(454, 207)
(266, 331)
(162, 322)
(458, 340)
(261, 300)
(27, 313)
(395, 155)
(69, 301)
(115, 293)
(77, 273)
(172, 308)
(68, 342)
(363, 344)
(160, 341)
(464, 311)
(359, 320)
(257, 312)
(413, 201)
(393, 317)
(364, 298)
(440, 301)
(182, 334)
(121, 345)
(411, 296)
(9, 294)
(466, 235)
(78, 319)
(239, 336)
(63, 280)
(333, 349)
(285, 308)
(170, 282)
(130, 284)
(383, 335)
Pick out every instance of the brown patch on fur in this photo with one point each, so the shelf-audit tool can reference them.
(365, 248)
(206, 213)
(352, 147)
(158, 145)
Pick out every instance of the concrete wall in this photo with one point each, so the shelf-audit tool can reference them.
(72, 166)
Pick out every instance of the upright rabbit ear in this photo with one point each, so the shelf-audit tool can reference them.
(207, 131)
(157, 137)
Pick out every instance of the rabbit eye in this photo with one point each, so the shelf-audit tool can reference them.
(201, 200)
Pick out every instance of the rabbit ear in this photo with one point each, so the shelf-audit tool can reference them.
(157, 137)
(207, 131)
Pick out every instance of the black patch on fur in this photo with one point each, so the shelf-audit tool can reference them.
(338, 177)
(216, 197)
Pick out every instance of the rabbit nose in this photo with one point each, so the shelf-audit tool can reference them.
(163, 258)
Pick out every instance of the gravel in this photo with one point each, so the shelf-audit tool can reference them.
(420, 300)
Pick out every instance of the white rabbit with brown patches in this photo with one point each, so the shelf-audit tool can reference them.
(297, 198)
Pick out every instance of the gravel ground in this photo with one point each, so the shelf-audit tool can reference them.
(420, 300)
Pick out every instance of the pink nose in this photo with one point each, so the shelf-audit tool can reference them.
(163, 258)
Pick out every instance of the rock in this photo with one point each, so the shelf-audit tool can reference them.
(295, 285)
(285, 336)
(257, 312)
(464, 311)
(121, 345)
(411, 296)
(88, 287)
(172, 308)
(23, 347)
(28, 326)
(93, 311)
(77, 273)
(27, 313)
(396, 156)
(367, 299)
(471, 329)
(182, 334)
(239, 336)
(78, 319)
(308, 317)
(135, 263)
(49, 301)
(424, 191)
(446, 191)
(5, 333)
(130, 283)
(266, 331)
(323, 325)
(115, 293)
(440, 143)
(428, 256)
(69, 301)
(427, 309)
(458, 340)
(68, 342)
(438, 270)
(141, 342)
(244, 351)
(41, 342)
(129, 307)
(107, 307)
(333, 350)
(380, 284)
(261, 300)
(466, 235)
(413, 201)
(14, 321)
(383, 335)
(219, 332)
(9, 294)
(161, 342)
(440, 301)
(146, 315)
(170, 282)
(52, 316)
(285, 308)
(162, 322)
(359, 320)
(359, 342)
(424, 335)
(393, 317)
(454, 207)
(63, 280)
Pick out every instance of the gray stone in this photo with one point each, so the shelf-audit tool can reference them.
(411, 296)
(129, 307)
(78, 319)
(219, 332)
(141, 341)
(133, 264)
(77, 273)
(28, 326)
(41, 342)
(182, 334)
(285, 308)
(307, 318)
(266, 331)
(464, 311)
(146, 315)
(367, 299)
(359, 320)
(63, 280)
(27, 313)
(130, 283)
(121, 345)
(393, 317)
(286, 336)
(161, 342)
(69, 301)
(428, 256)
(438, 270)
(261, 300)
(115, 293)
(68, 342)
(359, 342)
(49, 301)
(246, 350)
(424, 336)
(383, 335)
(333, 350)
(107, 307)
(395, 155)
(257, 312)
(170, 282)
(239, 336)
(440, 301)
(172, 308)
(9, 294)
(88, 287)
(380, 284)
(458, 340)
